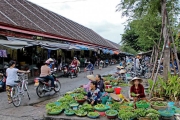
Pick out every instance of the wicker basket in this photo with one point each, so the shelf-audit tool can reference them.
(158, 107)
(144, 118)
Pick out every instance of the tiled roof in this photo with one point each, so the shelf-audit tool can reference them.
(28, 15)
(116, 46)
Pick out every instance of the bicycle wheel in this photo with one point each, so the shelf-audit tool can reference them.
(26, 89)
(57, 86)
(16, 97)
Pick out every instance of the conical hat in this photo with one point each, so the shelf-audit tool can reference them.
(114, 96)
(91, 77)
(135, 78)
(122, 71)
(120, 67)
(50, 60)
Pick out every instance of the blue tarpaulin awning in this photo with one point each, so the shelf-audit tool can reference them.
(82, 47)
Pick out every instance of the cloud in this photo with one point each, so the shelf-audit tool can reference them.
(108, 30)
(98, 15)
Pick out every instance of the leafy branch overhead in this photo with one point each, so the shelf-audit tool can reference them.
(144, 25)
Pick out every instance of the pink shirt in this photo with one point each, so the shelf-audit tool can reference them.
(87, 86)
(45, 70)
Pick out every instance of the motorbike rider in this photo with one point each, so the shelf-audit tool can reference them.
(74, 63)
(11, 74)
(45, 72)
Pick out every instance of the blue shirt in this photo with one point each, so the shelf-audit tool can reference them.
(90, 66)
(50, 65)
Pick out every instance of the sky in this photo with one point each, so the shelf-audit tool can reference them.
(98, 15)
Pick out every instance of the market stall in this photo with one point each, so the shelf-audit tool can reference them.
(114, 105)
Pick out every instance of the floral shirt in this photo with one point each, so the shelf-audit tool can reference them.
(94, 95)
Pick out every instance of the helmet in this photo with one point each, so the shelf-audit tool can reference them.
(75, 58)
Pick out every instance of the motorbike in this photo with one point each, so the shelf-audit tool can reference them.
(43, 85)
(65, 70)
(141, 72)
(72, 71)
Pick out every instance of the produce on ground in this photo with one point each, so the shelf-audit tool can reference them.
(80, 90)
(109, 90)
(159, 103)
(100, 106)
(126, 115)
(69, 111)
(79, 97)
(80, 112)
(142, 104)
(114, 83)
(150, 113)
(111, 112)
(93, 114)
(87, 107)
(115, 106)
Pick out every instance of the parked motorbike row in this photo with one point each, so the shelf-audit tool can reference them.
(144, 71)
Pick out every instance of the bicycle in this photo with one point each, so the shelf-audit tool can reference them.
(19, 89)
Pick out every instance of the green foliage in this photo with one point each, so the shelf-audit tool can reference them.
(128, 49)
(168, 88)
(144, 25)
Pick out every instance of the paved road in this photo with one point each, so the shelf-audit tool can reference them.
(34, 109)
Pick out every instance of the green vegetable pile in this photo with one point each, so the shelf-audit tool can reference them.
(109, 90)
(114, 83)
(80, 90)
(80, 112)
(159, 103)
(142, 104)
(115, 106)
(150, 113)
(69, 111)
(87, 107)
(93, 114)
(126, 115)
(100, 106)
(79, 97)
(52, 108)
(111, 113)
(67, 98)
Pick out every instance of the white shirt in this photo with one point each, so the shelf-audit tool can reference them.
(11, 76)
(137, 63)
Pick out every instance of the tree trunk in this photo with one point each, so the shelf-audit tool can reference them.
(166, 38)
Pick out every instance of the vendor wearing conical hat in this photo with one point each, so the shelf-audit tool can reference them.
(87, 86)
(137, 89)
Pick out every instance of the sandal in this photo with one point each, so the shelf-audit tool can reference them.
(9, 102)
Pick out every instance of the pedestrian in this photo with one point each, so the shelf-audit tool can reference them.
(12, 76)
(90, 67)
(101, 65)
(59, 63)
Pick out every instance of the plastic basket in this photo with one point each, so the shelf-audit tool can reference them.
(166, 113)
(94, 117)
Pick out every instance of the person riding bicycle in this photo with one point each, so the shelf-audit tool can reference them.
(90, 67)
(12, 76)
(75, 63)
(46, 73)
